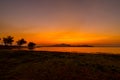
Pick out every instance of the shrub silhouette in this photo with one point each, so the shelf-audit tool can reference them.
(31, 45)
(8, 40)
(21, 42)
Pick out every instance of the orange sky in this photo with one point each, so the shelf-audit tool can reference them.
(62, 21)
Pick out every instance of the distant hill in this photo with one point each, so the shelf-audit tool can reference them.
(68, 45)
(84, 46)
(61, 45)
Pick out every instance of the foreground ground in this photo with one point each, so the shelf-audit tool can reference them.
(43, 65)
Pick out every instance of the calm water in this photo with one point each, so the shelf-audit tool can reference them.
(113, 50)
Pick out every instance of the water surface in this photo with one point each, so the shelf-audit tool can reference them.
(109, 50)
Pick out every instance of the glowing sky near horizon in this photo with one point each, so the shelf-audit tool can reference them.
(61, 21)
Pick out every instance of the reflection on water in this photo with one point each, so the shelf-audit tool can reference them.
(115, 50)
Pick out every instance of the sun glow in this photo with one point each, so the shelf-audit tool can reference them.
(67, 37)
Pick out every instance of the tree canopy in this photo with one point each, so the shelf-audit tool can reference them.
(21, 42)
(8, 40)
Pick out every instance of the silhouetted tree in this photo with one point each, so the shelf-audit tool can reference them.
(31, 45)
(0, 40)
(8, 40)
(5, 41)
(21, 42)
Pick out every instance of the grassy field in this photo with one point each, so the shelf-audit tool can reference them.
(43, 65)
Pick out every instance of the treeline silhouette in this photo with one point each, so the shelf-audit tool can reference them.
(8, 41)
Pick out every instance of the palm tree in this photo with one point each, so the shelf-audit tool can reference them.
(31, 45)
(21, 42)
(8, 40)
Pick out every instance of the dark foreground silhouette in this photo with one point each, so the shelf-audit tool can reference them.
(43, 65)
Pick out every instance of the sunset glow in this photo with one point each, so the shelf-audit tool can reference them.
(61, 21)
